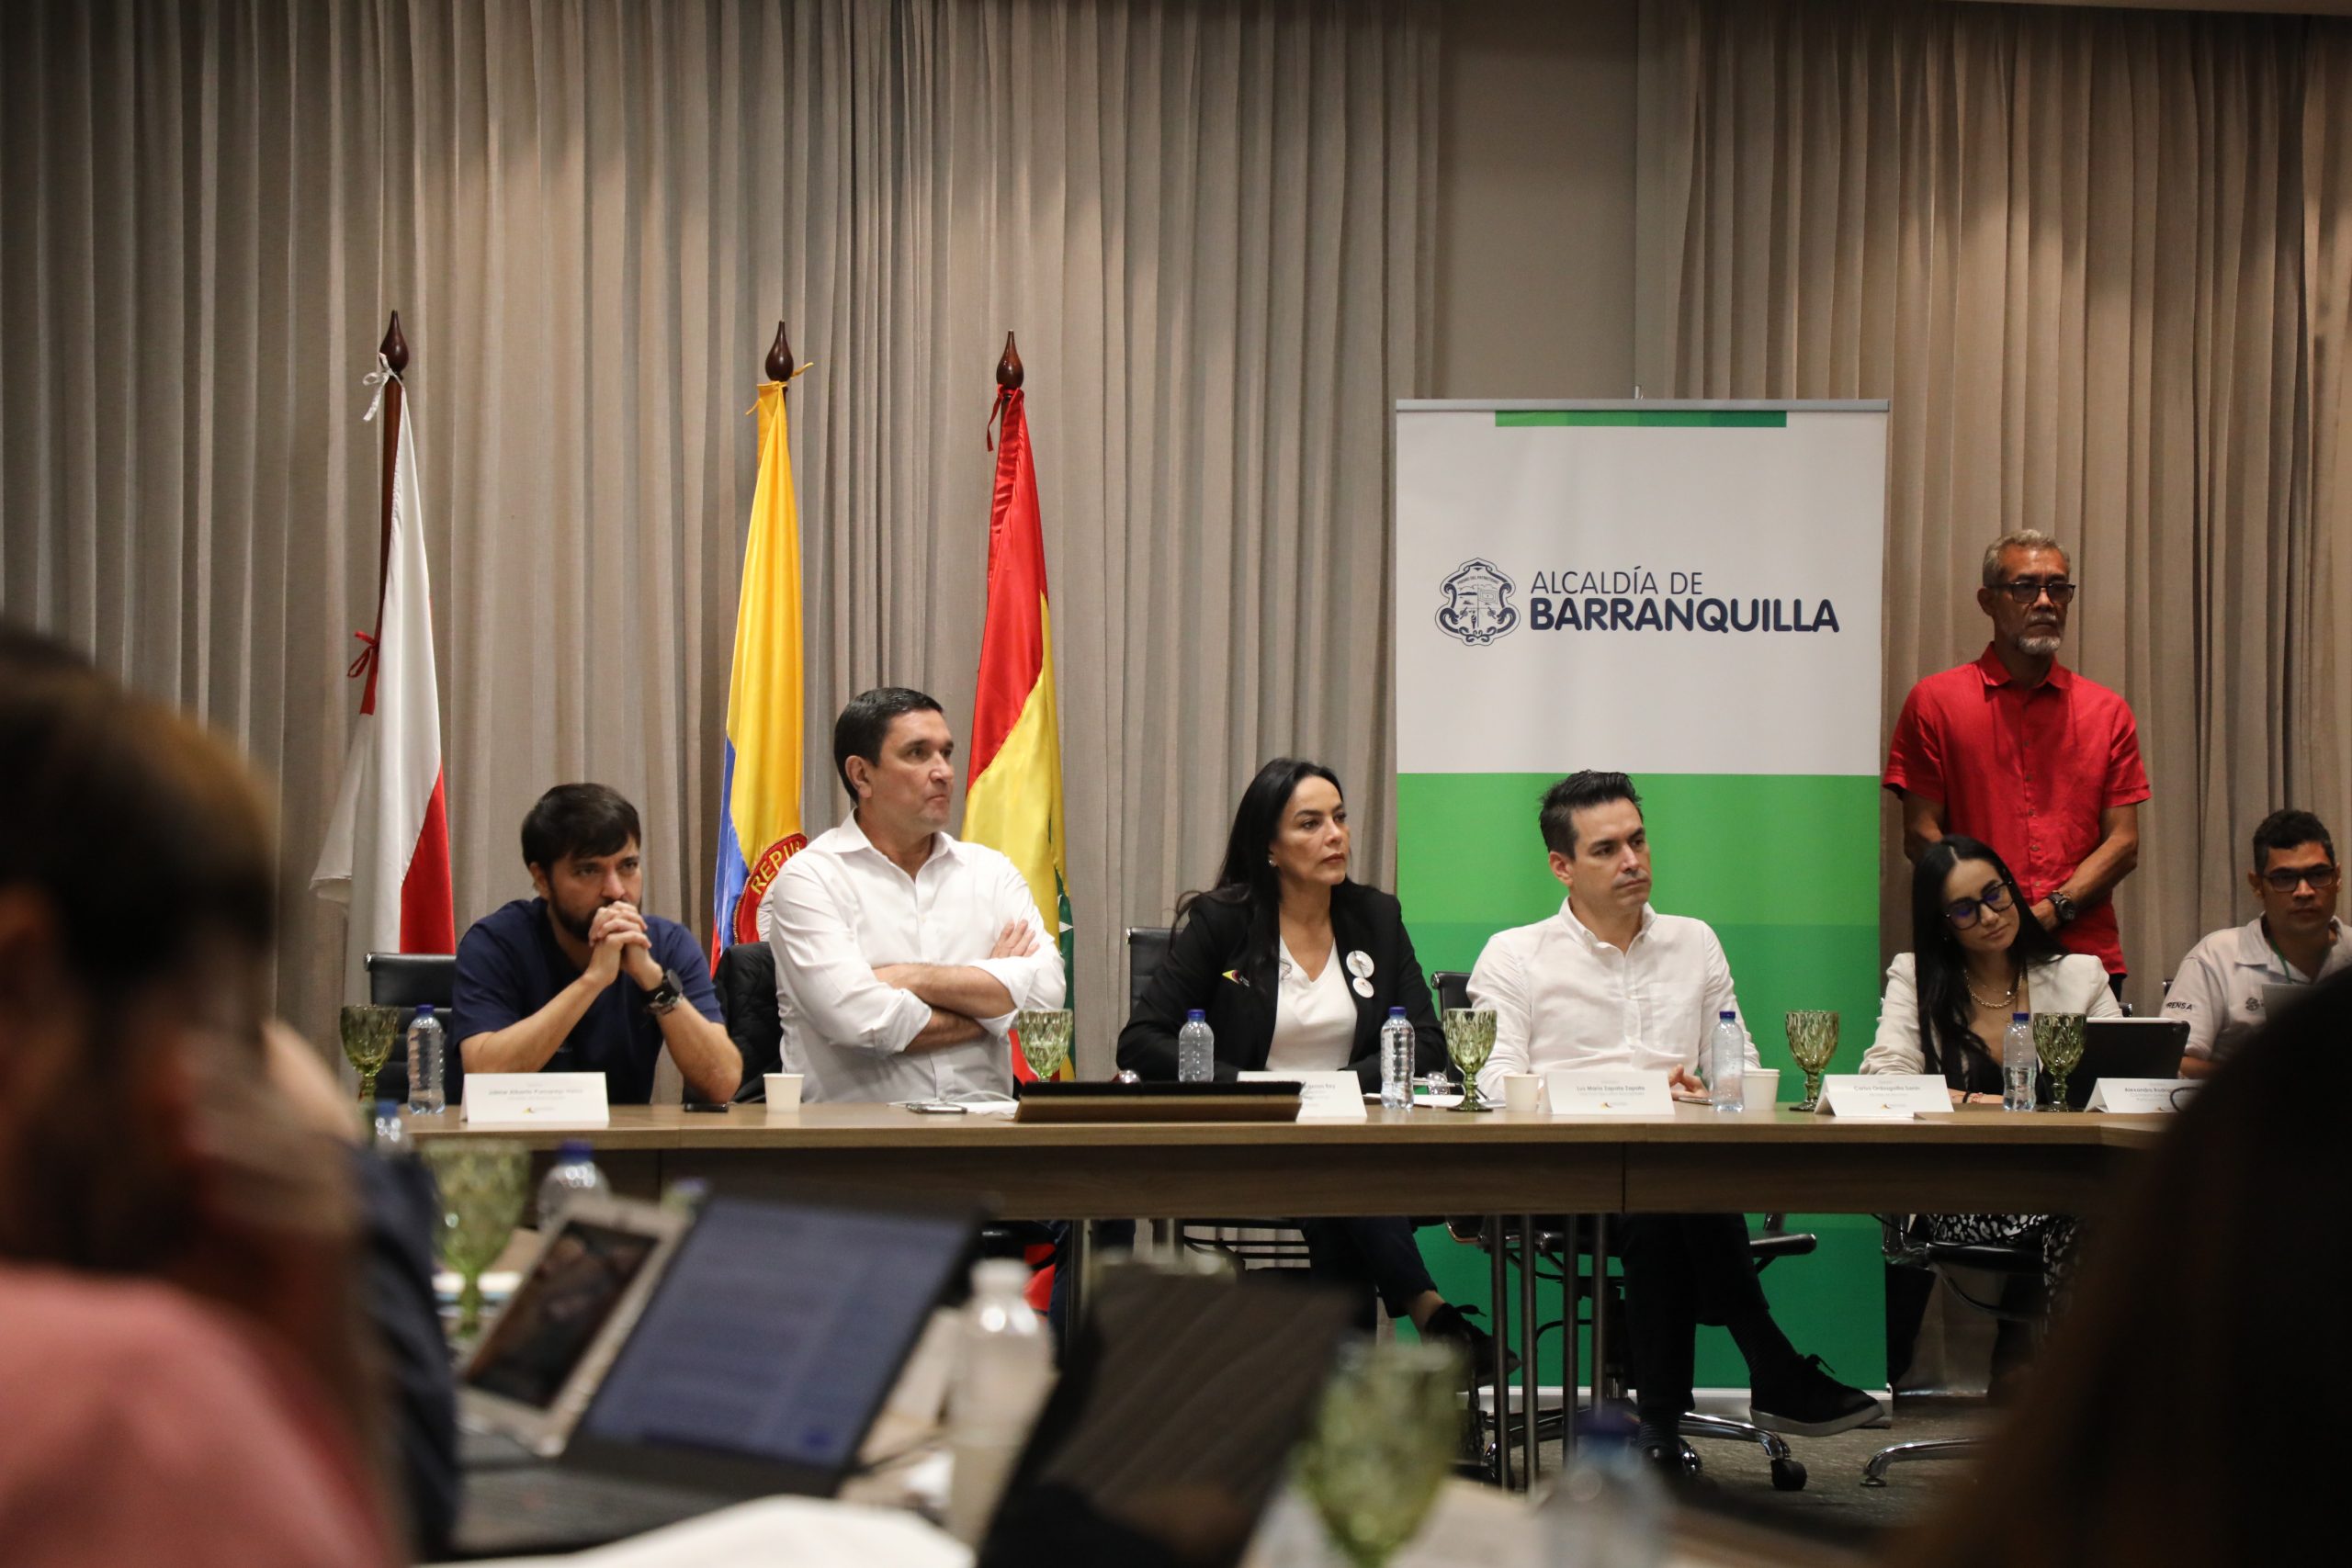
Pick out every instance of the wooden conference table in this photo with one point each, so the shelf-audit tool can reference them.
(1395, 1162)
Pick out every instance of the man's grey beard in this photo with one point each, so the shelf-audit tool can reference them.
(2039, 646)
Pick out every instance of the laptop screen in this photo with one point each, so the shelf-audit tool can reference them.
(776, 1332)
(570, 1295)
(1171, 1424)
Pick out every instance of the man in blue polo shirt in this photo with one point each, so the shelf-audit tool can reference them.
(580, 980)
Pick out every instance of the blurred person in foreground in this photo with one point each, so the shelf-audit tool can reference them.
(2133, 1443)
(182, 1374)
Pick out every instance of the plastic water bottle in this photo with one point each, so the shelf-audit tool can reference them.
(1397, 1042)
(2018, 1062)
(1609, 1510)
(1196, 1049)
(426, 1048)
(1727, 1064)
(574, 1173)
(1004, 1367)
(391, 1132)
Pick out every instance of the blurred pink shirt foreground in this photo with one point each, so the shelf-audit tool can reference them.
(139, 1425)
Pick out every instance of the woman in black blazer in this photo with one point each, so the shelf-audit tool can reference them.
(1296, 968)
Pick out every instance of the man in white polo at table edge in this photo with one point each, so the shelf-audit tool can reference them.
(1609, 982)
(902, 954)
(2220, 988)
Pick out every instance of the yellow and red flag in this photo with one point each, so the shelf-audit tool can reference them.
(759, 789)
(1013, 795)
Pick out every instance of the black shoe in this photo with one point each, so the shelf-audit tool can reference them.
(1806, 1401)
(1448, 1323)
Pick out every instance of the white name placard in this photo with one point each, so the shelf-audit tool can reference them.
(536, 1100)
(2141, 1097)
(1884, 1097)
(1322, 1097)
(1608, 1091)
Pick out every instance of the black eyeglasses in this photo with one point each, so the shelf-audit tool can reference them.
(2026, 590)
(1968, 912)
(2287, 879)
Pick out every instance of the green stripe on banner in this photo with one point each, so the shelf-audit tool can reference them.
(1785, 869)
(1677, 419)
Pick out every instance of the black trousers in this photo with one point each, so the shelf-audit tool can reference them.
(1368, 1257)
(1682, 1270)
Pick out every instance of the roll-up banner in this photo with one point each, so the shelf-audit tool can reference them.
(1686, 592)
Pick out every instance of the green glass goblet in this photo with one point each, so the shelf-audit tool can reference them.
(1045, 1040)
(1812, 1040)
(367, 1036)
(2058, 1044)
(1469, 1041)
(1383, 1443)
(482, 1185)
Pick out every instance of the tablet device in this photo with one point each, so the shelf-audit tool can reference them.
(540, 1358)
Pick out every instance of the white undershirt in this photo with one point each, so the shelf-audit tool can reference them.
(1315, 1021)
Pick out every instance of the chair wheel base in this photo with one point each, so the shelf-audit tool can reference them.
(1788, 1476)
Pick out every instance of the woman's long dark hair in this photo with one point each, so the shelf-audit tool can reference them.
(1248, 878)
(1946, 1042)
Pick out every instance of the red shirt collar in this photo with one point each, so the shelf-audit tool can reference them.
(1995, 673)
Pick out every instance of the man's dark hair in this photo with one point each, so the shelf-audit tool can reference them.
(2287, 828)
(577, 820)
(1572, 795)
(860, 730)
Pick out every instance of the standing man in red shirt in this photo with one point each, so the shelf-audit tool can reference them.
(2017, 750)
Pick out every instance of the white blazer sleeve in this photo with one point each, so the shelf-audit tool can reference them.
(2088, 988)
(1897, 1049)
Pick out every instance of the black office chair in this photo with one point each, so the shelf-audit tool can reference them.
(407, 981)
(1905, 1247)
(1563, 1247)
(1276, 1247)
(745, 981)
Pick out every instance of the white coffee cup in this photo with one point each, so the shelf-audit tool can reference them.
(784, 1094)
(1522, 1093)
(1762, 1088)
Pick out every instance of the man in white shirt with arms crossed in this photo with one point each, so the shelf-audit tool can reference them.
(901, 955)
(1609, 982)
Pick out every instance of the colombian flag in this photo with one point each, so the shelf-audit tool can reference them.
(1012, 799)
(759, 791)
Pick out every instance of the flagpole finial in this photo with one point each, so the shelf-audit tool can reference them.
(1009, 373)
(394, 348)
(779, 364)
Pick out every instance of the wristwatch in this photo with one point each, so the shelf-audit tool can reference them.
(2062, 907)
(666, 995)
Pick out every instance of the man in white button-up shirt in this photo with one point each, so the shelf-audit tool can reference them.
(1609, 982)
(900, 954)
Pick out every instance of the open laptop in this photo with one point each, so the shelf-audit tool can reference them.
(2123, 1048)
(1168, 1433)
(746, 1361)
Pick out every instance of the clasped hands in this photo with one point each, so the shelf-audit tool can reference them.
(619, 940)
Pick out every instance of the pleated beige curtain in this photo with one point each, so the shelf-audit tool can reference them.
(2101, 264)
(1207, 221)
